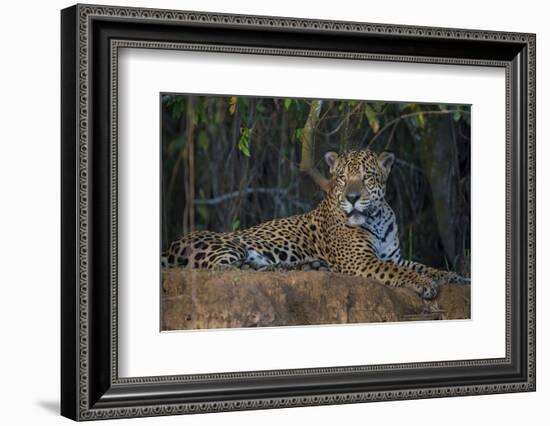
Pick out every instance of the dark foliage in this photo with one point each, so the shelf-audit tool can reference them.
(233, 162)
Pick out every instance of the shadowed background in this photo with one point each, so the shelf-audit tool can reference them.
(230, 162)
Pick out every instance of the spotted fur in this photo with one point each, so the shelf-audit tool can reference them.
(341, 232)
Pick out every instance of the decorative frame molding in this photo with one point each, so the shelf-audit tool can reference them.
(91, 37)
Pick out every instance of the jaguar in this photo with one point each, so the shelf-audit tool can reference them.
(352, 231)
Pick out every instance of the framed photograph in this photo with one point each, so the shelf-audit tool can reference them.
(214, 237)
(263, 212)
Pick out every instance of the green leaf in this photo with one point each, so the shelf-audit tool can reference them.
(456, 116)
(378, 106)
(260, 108)
(372, 118)
(201, 209)
(420, 120)
(298, 134)
(203, 213)
(176, 145)
(178, 108)
(235, 225)
(244, 141)
(203, 140)
(287, 103)
(232, 105)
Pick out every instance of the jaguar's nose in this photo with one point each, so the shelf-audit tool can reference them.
(352, 197)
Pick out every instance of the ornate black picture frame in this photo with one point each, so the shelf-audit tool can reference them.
(91, 387)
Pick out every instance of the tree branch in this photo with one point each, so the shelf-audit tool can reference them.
(235, 194)
(307, 163)
(396, 121)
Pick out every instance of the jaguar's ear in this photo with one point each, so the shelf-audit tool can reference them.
(331, 158)
(385, 159)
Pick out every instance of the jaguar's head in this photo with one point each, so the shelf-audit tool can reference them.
(358, 182)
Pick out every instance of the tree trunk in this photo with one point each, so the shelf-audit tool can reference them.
(307, 162)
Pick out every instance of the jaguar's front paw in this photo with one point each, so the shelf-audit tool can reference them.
(462, 280)
(454, 278)
(427, 288)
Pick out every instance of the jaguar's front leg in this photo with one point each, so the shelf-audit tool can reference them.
(394, 275)
(449, 277)
(441, 276)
